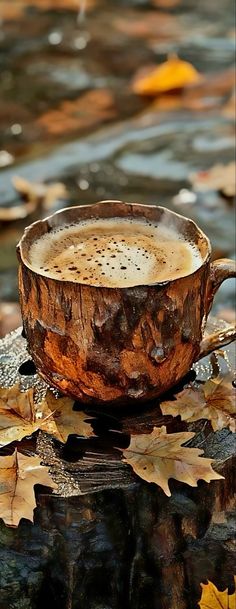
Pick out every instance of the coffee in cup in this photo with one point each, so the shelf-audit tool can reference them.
(114, 253)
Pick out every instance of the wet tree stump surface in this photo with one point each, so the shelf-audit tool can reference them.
(107, 539)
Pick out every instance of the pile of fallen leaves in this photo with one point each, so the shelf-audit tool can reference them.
(155, 457)
(20, 417)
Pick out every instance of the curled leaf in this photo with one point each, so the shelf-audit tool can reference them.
(172, 74)
(215, 401)
(38, 193)
(20, 416)
(64, 420)
(158, 456)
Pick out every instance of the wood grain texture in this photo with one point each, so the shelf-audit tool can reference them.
(122, 544)
(113, 345)
(127, 547)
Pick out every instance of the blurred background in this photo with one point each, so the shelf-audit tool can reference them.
(123, 99)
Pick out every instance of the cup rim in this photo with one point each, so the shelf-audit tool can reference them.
(46, 221)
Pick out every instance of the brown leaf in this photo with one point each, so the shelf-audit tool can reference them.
(20, 417)
(18, 475)
(158, 456)
(172, 74)
(17, 414)
(212, 598)
(37, 193)
(16, 212)
(215, 401)
(220, 177)
(65, 420)
(86, 111)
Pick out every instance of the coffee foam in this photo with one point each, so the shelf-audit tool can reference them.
(114, 253)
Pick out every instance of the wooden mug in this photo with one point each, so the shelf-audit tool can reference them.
(115, 345)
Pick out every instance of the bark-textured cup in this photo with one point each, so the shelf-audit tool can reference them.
(107, 345)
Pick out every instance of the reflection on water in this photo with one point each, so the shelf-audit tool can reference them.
(68, 111)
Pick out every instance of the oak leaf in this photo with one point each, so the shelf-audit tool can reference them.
(158, 456)
(172, 74)
(20, 417)
(18, 475)
(215, 401)
(212, 598)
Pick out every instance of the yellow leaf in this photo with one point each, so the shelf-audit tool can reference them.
(38, 193)
(172, 74)
(158, 456)
(20, 417)
(212, 598)
(214, 401)
(64, 420)
(17, 414)
(18, 475)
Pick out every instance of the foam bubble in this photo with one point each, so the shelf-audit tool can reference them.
(114, 253)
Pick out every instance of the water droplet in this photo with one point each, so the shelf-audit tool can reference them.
(5, 158)
(83, 184)
(16, 129)
(55, 38)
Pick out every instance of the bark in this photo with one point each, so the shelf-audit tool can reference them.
(118, 543)
(126, 547)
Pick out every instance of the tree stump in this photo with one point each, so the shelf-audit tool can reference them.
(107, 539)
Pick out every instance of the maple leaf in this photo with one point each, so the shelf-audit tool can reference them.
(215, 400)
(212, 598)
(65, 420)
(158, 456)
(18, 475)
(17, 414)
(20, 417)
(172, 74)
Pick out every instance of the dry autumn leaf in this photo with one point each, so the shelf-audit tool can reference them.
(18, 475)
(16, 212)
(17, 414)
(212, 598)
(65, 421)
(84, 112)
(20, 417)
(172, 74)
(215, 400)
(158, 456)
(220, 177)
(38, 193)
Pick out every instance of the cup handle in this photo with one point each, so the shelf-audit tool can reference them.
(219, 271)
